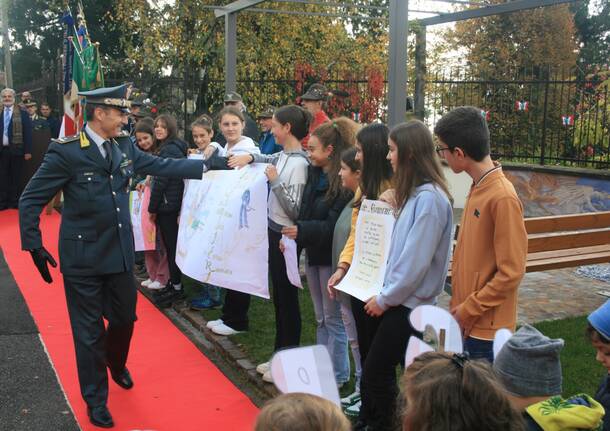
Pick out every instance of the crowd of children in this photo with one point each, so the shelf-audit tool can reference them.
(314, 198)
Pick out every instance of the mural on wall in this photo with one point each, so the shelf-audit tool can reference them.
(546, 193)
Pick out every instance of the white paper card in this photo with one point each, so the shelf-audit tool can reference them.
(305, 369)
(374, 227)
(292, 261)
(501, 337)
(439, 320)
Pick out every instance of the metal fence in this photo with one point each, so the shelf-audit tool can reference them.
(539, 115)
(536, 115)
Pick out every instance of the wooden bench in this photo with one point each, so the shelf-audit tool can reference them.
(566, 241)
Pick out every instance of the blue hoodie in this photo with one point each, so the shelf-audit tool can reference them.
(419, 252)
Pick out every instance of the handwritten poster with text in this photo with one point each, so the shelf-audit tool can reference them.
(364, 278)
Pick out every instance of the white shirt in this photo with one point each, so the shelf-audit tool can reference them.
(6, 126)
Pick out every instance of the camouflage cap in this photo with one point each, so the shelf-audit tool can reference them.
(233, 96)
(267, 112)
(315, 92)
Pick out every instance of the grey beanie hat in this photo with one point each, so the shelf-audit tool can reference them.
(528, 364)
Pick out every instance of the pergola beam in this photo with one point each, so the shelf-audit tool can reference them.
(331, 15)
(511, 6)
(235, 7)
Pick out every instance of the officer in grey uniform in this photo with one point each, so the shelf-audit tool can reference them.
(96, 250)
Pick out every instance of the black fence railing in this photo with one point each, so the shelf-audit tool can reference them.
(536, 115)
(541, 116)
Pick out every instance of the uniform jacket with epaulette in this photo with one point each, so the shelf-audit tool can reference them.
(95, 236)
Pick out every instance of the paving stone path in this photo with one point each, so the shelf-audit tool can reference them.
(555, 294)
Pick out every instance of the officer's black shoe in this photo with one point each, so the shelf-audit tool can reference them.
(100, 416)
(123, 379)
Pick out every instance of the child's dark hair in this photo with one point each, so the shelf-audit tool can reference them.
(298, 118)
(466, 128)
(349, 158)
(170, 125)
(444, 391)
(341, 134)
(231, 110)
(593, 335)
(147, 127)
(376, 168)
(144, 127)
(204, 121)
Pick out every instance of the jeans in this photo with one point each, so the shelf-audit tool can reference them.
(352, 334)
(330, 331)
(479, 349)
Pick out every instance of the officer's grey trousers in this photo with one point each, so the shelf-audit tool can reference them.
(91, 299)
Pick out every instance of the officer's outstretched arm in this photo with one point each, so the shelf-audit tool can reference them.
(145, 163)
(52, 175)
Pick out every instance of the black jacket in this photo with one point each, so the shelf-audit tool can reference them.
(166, 193)
(317, 218)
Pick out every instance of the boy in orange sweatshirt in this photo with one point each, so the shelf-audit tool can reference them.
(491, 251)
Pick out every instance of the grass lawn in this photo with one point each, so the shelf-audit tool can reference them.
(581, 372)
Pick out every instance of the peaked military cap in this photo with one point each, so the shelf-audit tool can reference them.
(233, 96)
(315, 92)
(115, 97)
(267, 112)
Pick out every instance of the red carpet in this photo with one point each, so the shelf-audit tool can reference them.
(176, 387)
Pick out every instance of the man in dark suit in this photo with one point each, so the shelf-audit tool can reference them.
(96, 244)
(46, 113)
(16, 132)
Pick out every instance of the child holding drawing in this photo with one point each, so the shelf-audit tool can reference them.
(416, 267)
(202, 130)
(323, 200)
(155, 260)
(376, 176)
(287, 176)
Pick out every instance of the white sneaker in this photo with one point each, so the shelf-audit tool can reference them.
(223, 329)
(263, 368)
(353, 410)
(213, 323)
(267, 377)
(155, 285)
(145, 283)
(350, 399)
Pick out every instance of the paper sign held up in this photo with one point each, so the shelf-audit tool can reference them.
(305, 369)
(374, 227)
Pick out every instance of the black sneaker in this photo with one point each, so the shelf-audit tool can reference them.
(162, 292)
(167, 300)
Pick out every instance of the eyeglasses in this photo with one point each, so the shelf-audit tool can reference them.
(439, 150)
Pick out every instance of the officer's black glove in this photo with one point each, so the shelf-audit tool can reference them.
(216, 163)
(41, 256)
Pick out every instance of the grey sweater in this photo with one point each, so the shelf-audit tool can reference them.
(419, 251)
(284, 202)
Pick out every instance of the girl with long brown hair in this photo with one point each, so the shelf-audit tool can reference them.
(416, 268)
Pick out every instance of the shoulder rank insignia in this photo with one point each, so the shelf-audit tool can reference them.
(65, 139)
(84, 141)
